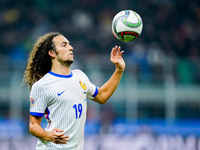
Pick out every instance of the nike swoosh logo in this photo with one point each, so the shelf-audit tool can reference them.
(61, 93)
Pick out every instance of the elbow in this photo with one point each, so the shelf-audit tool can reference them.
(30, 129)
(103, 101)
(100, 100)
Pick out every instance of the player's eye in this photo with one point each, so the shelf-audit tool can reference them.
(64, 44)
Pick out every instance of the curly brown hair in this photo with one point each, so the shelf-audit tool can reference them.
(39, 62)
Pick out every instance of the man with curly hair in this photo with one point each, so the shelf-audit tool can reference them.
(60, 94)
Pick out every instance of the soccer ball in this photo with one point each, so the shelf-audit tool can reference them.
(127, 25)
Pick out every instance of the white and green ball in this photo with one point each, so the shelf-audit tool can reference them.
(127, 25)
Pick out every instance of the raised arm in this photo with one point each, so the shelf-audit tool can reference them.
(110, 86)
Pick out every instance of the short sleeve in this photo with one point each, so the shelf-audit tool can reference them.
(92, 91)
(38, 101)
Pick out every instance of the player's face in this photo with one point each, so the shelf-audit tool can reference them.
(63, 50)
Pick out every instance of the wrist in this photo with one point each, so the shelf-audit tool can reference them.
(47, 136)
(120, 69)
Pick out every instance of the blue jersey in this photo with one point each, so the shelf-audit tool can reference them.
(62, 99)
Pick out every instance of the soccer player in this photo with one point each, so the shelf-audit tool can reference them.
(60, 94)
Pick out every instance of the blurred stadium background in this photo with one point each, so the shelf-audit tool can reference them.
(157, 104)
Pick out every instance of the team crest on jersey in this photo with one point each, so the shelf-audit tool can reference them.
(83, 86)
(32, 101)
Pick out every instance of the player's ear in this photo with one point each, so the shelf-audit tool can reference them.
(52, 53)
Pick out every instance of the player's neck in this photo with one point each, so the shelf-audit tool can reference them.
(63, 70)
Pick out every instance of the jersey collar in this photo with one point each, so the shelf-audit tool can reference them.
(60, 75)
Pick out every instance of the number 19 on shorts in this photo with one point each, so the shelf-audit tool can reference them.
(78, 110)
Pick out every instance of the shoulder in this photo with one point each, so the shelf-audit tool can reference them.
(37, 86)
(80, 75)
(78, 72)
(41, 82)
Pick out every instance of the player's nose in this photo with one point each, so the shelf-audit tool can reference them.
(71, 48)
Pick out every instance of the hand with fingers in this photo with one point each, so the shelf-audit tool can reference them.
(58, 136)
(116, 58)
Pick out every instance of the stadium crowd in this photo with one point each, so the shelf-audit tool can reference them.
(171, 29)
